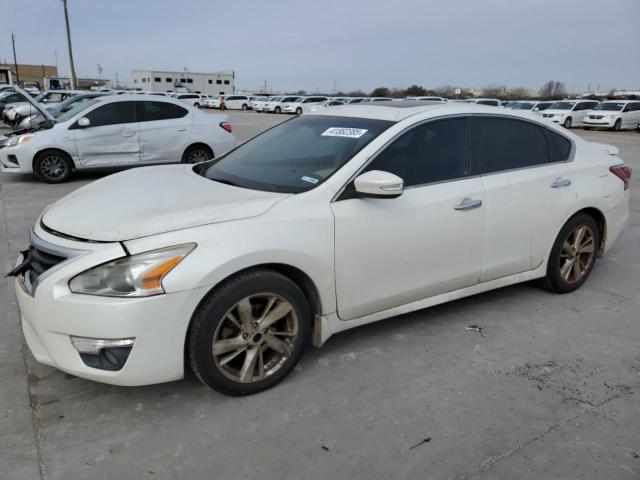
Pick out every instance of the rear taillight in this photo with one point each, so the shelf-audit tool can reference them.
(227, 126)
(623, 172)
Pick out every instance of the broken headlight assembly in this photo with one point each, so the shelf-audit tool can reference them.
(138, 275)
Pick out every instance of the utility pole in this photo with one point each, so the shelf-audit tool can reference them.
(71, 66)
(116, 86)
(15, 62)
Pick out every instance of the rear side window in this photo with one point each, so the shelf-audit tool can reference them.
(112, 114)
(504, 144)
(559, 146)
(432, 152)
(150, 111)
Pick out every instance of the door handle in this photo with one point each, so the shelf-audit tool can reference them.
(468, 204)
(182, 129)
(560, 182)
(128, 134)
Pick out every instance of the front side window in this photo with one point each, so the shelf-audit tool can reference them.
(149, 111)
(432, 152)
(112, 114)
(296, 155)
(500, 144)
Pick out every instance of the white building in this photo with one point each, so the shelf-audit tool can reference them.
(216, 83)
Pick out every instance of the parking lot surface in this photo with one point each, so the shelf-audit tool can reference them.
(547, 388)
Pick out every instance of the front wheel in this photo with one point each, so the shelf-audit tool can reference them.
(197, 105)
(249, 334)
(567, 123)
(52, 166)
(573, 255)
(617, 126)
(244, 107)
(278, 110)
(298, 111)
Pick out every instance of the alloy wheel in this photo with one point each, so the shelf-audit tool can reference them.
(197, 155)
(53, 167)
(255, 338)
(577, 254)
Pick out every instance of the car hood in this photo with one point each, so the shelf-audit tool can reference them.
(147, 201)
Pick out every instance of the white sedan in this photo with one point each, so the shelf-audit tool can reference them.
(569, 113)
(323, 223)
(117, 131)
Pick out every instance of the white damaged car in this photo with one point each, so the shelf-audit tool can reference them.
(117, 131)
(232, 266)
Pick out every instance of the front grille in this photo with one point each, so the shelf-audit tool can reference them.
(41, 261)
(547, 115)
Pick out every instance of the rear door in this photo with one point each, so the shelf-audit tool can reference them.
(111, 139)
(528, 187)
(164, 130)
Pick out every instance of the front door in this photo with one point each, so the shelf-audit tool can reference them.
(111, 138)
(428, 241)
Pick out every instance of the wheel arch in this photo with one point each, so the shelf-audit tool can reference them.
(197, 144)
(297, 276)
(52, 149)
(600, 220)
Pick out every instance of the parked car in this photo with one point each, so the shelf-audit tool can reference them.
(34, 119)
(569, 113)
(615, 114)
(428, 99)
(229, 268)
(297, 106)
(275, 104)
(193, 99)
(237, 102)
(530, 105)
(494, 102)
(258, 103)
(312, 107)
(48, 100)
(31, 87)
(10, 97)
(213, 101)
(115, 132)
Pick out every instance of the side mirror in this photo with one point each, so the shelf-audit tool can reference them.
(537, 109)
(84, 122)
(378, 184)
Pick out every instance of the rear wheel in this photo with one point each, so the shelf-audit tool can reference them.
(298, 111)
(617, 126)
(567, 123)
(249, 333)
(52, 166)
(573, 255)
(278, 110)
(197, 154)
(197, 105)
(244, 106)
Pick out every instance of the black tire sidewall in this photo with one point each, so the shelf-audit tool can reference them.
(277, 110)
(567, 123)
(37, 164)
(187, 152)
(553, 279)
(217, 303)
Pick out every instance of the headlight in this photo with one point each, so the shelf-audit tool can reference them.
(18, 140)
(135, 276)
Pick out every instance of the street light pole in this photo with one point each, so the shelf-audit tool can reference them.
(15, 61)
(71, 66)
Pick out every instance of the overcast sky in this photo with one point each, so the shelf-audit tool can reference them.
(307, 44)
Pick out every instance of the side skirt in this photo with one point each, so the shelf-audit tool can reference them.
(327, 325)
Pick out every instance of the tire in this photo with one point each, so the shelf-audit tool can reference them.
(617, 126)
(197, 105)
(212, 322)
(277, 110)
(298, 111)
(567, 123)
(569, 280)
(244, 106)
(197, 154)
(53, 166)
(586, 128)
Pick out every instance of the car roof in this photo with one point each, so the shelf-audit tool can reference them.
(141, 97)
(397, 111)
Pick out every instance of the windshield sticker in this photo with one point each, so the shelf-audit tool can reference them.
(344, 132)
(309, 179)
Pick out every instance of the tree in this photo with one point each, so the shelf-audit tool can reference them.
(415, 91)
(381, 92)
(493, 91)
(553, 90)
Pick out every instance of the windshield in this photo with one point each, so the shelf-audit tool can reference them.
(610, 106)
(74, 109)
(562, 106)
(296, 155)
(523, 106)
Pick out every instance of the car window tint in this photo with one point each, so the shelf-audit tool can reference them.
(559, 146)
(431, 152)
(150, 111)
(112, 114)
(504, 144)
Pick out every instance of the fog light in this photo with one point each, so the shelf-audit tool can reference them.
(104, 354)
